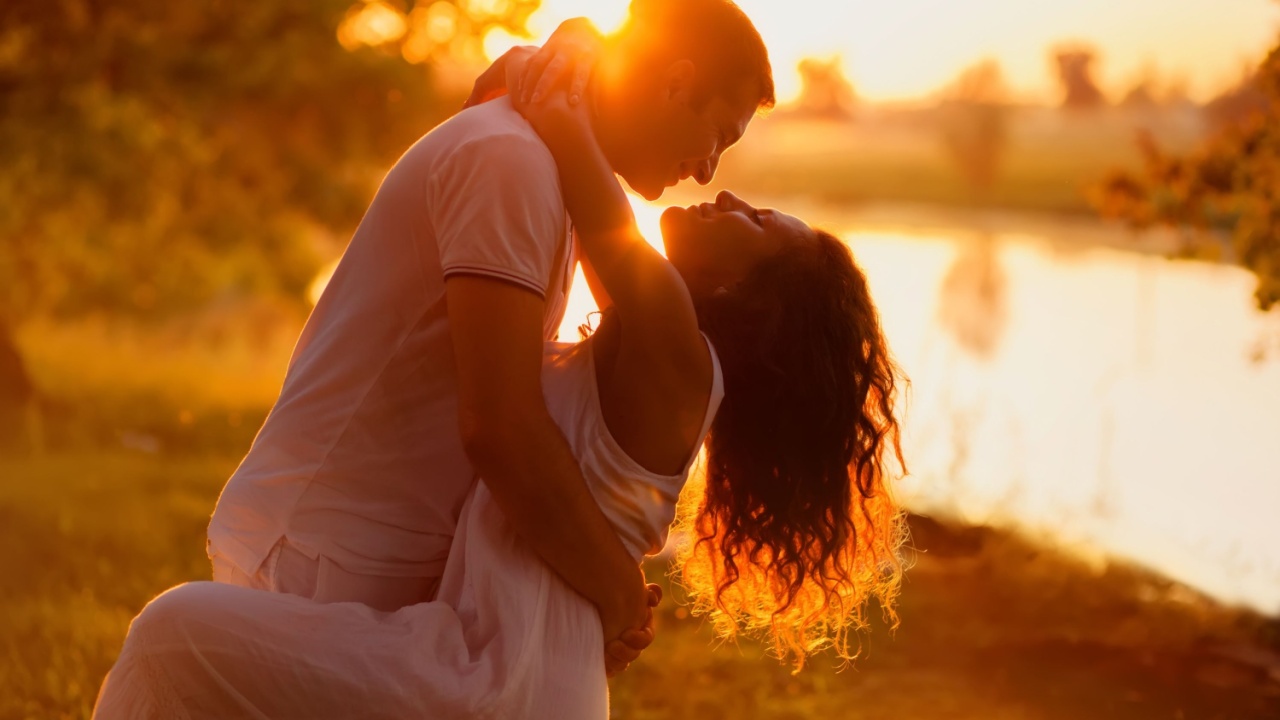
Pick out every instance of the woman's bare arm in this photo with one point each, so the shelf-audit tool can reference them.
(647, 292)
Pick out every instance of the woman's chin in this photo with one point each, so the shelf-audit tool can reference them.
(672, 212)
(674, 224)
(669, 222)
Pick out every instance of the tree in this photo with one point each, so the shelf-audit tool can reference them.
(1238, 103)
(1233, 183)
(1144, 93)
(160, 154)
(825, 92)
(1074, 66)
(974, 114)
(975, 123)
(15, 387)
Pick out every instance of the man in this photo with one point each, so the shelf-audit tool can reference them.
(419, 369)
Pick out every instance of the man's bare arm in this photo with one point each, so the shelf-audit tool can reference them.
(522, 455)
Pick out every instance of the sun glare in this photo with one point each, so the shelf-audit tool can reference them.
(648, 219)
(498, 40)
(581, 304)
(912, 48)
(607, 16)
(375, 23)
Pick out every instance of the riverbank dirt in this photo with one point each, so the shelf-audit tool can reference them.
(992, 626)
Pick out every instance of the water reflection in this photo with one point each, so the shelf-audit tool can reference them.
(1119, 411)
(971, 302)
(1107, 400)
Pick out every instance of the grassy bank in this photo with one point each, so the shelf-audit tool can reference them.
(88, 539)
(195, 384)
(991, 627)
(1045, 161)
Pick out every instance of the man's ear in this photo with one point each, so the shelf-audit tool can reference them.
(678, 83)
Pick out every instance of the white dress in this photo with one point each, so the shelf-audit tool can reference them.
(506, 637)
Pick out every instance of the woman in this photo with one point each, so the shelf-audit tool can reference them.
(795, 528)
(792, 533)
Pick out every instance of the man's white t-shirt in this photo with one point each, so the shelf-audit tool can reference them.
(361, 459)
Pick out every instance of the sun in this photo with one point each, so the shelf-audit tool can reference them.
(606, 16)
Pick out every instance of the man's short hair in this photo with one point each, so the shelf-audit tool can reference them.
(715, 34)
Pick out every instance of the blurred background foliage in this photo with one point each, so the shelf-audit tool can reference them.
(162, 155)
(188, 167)
(1225, 197)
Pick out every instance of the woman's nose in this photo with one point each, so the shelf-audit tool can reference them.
(728, 200)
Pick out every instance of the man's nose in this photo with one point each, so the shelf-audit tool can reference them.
(706, 169)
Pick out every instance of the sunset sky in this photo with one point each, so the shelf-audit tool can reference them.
(908, 48)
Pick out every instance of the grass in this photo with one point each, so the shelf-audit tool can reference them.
(88, 539)
(196, 384)
(992, 627)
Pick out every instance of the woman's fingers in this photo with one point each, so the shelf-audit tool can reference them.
(536, 68)
(566, 60)
(518, 59)
(655, 594)
(581, 77)
(488, 84)
(503, 76)
(551, 76)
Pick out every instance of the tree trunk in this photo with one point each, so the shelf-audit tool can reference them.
(16, 391)
(15, 384)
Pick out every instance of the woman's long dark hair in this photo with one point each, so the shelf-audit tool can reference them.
(797, 529)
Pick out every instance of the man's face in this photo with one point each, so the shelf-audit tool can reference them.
(676, 138)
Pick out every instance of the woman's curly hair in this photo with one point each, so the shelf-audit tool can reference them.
(797, 528)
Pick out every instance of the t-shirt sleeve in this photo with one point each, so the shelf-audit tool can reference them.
(498, 211)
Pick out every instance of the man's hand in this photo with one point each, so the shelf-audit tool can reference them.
(514, 444)
(621, 652)
(530, 73)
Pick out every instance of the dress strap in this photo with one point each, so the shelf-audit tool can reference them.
(713, 402)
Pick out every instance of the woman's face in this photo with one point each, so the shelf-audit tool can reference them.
(716, 245)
